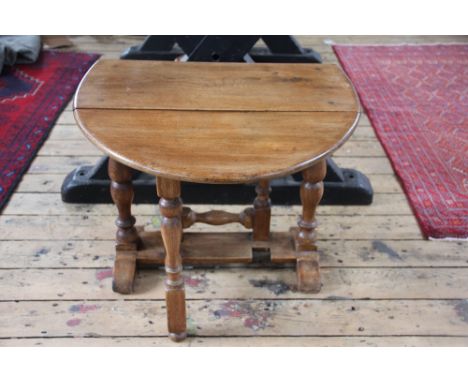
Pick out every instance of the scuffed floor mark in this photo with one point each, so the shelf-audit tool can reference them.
(384, 248)
(198, 282)
(41, 252)
(254, 315)
(73, 322)
(102, 274)
(461, 308)
(191, 327)
(277, 287)
(156, 222)
(82, 308)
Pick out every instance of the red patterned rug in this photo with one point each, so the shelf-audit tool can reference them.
(416, 97)
(31, 98)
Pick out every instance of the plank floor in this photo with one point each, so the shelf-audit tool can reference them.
(384, 285)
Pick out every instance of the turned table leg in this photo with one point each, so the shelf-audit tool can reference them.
(262, 211)
(127, 237)
(170, 205)
(308, 271)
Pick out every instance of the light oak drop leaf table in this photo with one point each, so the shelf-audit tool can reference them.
(214, 123)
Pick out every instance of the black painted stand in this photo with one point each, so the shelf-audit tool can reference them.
(222, 48)
(90, 184)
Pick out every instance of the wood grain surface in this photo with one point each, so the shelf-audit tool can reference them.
(159, 85)
(216, 122)
(216, 147)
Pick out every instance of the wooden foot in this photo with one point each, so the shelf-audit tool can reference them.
(127, 237)
(262, 211)
(124, 268)
(308, 271)
(170, 205)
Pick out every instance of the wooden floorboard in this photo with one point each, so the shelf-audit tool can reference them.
(198, 341)
(57, 254)
(247, 318)
(51, 204)
(338, 284)
(383, 284)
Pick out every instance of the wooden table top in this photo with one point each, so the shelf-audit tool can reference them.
(216, 122)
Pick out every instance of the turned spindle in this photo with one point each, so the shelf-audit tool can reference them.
(170, 206)
(311, 192)
(127, 237)
(122, 194)
(216, 217)
(262, 211)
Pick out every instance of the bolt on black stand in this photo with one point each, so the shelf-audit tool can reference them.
(90, 184)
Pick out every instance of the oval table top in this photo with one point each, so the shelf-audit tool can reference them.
(216, 122)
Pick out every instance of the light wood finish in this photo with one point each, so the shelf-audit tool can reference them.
(332, 227)
(241, 282)
(355, 341)
(376, 262)
(159, 85)
(235, 123)
(244, 318)
(216, 147)
(170, 205)
(25, 254)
